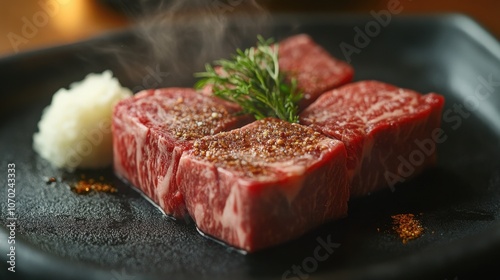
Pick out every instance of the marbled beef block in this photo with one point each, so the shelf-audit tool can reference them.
(314, 68)
(263, 184)
(153, 128)
(382, 126)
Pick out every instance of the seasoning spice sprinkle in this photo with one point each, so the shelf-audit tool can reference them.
(86, 186)
(407, 226)
(193, 122)
(51, 180)
(252, 149)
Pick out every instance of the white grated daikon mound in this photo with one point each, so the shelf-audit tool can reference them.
(75, 129)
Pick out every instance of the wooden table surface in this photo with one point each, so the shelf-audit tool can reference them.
(29, 24)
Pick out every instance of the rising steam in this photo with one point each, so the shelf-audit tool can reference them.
(176, 38)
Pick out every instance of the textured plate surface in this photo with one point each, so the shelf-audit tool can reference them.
(61, 235)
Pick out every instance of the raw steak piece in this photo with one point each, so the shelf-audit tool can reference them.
(315, 70)
(380, 124)
(265, 183)
(153, 128)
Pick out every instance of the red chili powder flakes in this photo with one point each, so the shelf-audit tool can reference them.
(407, 226)
(86, 186)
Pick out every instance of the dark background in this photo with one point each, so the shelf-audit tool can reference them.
(75, 20)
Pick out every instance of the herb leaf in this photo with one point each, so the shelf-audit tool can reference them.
(252, 79)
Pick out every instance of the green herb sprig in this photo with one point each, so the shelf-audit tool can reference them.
(252, 79)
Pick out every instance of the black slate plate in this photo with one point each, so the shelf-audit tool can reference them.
(61, 235)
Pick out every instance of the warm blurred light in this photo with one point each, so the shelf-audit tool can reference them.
(42, 23)
(71, 16)
(27, 24)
